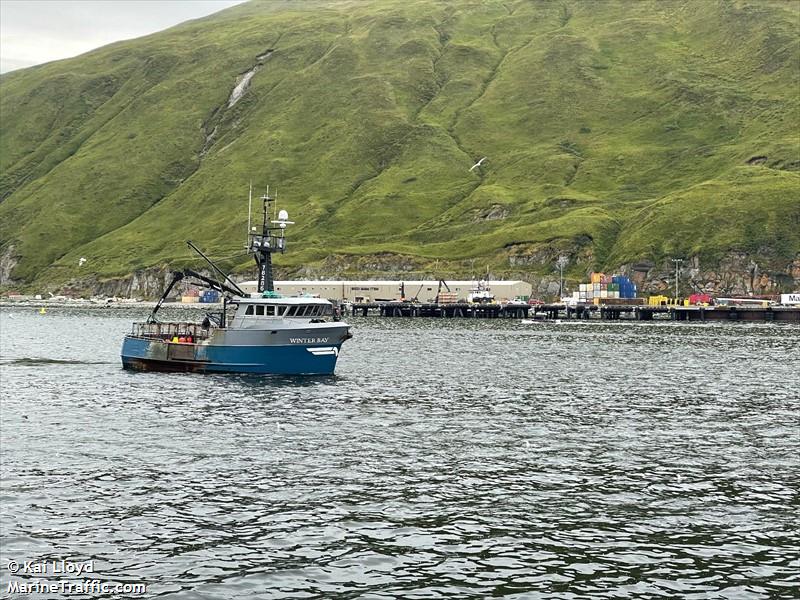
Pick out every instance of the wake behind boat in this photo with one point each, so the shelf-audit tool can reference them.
(262, 333)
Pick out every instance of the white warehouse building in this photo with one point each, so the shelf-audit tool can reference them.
(383, 290)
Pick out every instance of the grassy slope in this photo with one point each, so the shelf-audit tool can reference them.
(627, 124)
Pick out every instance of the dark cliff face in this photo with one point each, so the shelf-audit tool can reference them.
(736, 275)
(622, 134)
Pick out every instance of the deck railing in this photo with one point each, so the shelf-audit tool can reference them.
(170, 330)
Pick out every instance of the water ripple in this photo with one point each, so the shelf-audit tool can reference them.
(445, 459)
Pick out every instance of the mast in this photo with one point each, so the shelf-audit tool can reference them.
(249, 215)
(270, 239)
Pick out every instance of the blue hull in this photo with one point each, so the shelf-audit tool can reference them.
(157, 355)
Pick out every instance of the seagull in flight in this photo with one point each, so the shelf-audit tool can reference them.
(477, 164)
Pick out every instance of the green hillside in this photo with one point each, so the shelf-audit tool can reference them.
(616, 132)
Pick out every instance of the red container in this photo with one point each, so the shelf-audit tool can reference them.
(695, 299)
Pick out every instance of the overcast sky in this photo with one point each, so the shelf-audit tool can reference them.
(38, 31)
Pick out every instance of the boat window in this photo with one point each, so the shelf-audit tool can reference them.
(260, 311)
(249, 310)
(291, 311)
(270, 311)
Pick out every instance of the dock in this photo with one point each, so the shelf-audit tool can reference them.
(737, 313)
(617, 312)
(449, 310)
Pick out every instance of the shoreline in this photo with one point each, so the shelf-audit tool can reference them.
(107, 305)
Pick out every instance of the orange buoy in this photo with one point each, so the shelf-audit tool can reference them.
(182, 340)
(189, 339)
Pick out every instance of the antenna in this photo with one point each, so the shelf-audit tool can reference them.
(270, 239)
(249, 215)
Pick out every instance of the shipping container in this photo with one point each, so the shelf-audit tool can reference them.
(699, 299)
(209, 296)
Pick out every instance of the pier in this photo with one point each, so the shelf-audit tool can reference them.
(737, 313)
(617, 312)
(449, 310)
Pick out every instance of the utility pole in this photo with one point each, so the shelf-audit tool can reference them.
(677, 262)
(562, 262)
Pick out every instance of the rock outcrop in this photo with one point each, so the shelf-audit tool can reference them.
(735, 274)
(8, 260)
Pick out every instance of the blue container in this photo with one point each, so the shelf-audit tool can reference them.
(209, 296)
(627, 289)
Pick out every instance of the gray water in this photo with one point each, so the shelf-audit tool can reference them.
(446, 458)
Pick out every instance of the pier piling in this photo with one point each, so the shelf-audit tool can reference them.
(637, 312)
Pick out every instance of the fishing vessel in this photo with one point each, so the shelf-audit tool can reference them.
(261, 333)
(481, 294)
